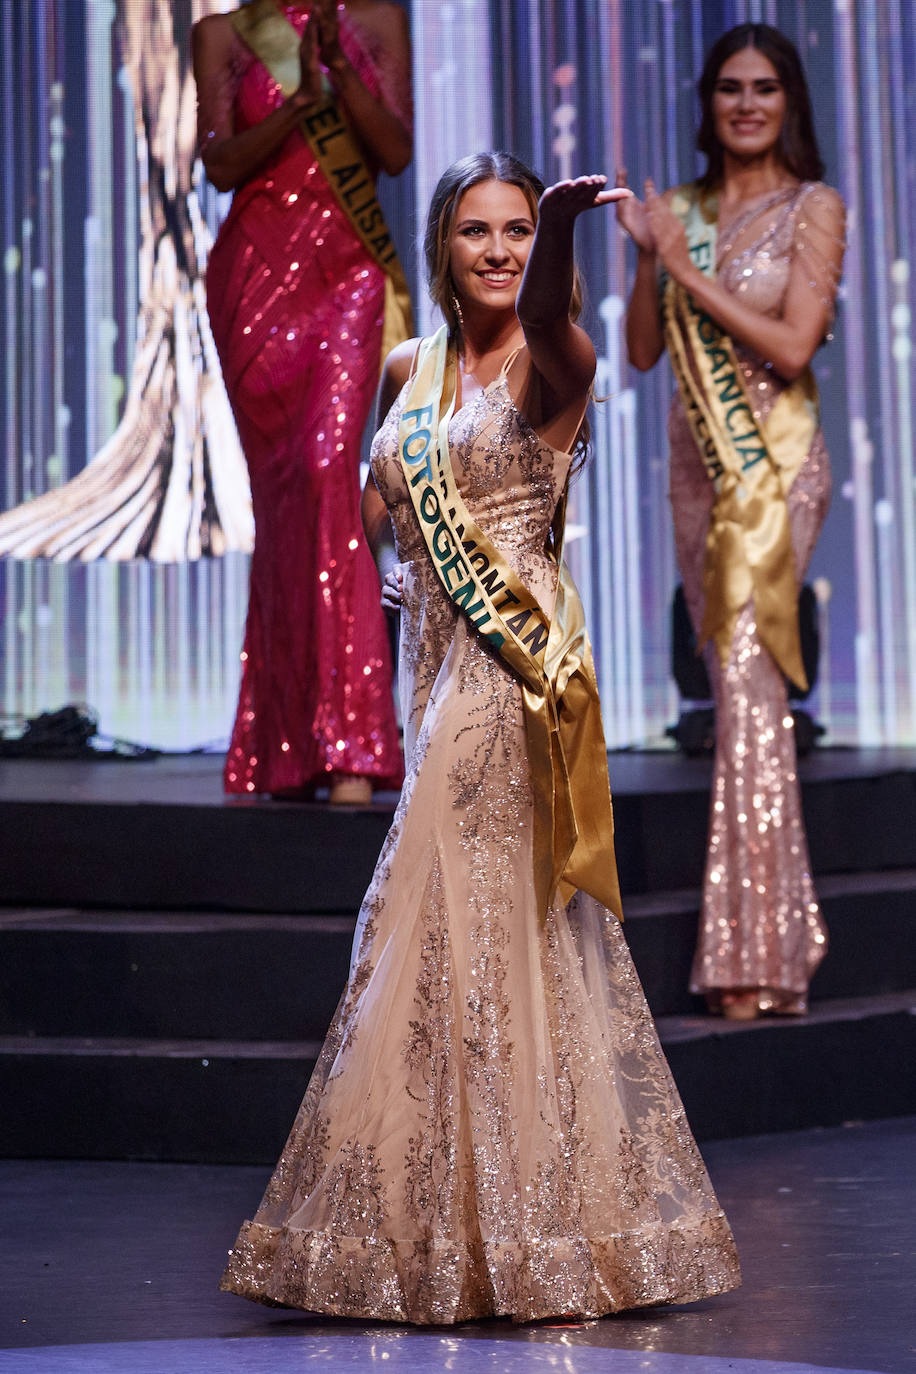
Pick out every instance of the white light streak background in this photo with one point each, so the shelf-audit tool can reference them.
(92, 225)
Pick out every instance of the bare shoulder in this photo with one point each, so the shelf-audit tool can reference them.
(399, 362)
(213, 35)
(395, 373)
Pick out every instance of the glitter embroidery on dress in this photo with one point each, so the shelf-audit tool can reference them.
(760, 924)
(530, 1156)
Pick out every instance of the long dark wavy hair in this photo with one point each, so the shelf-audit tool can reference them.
(798, 147)
(454, 181)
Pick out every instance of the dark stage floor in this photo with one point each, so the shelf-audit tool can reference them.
(113, 1267)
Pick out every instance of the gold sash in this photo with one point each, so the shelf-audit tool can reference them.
(573, 816)
(275, 42)
(751, 466)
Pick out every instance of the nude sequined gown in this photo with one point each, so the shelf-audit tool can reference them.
(760, 925)
(492, 1127)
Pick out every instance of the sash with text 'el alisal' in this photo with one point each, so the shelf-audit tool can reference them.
(275, 42)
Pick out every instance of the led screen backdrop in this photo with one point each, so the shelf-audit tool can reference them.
(107, 354)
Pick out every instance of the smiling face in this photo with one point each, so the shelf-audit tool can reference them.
(748, 105)
(490, 240)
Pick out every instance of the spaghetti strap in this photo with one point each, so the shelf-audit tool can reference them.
(413, 361)
(504, 371)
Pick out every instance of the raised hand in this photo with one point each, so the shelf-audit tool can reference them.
(632, 216)
(567, 199)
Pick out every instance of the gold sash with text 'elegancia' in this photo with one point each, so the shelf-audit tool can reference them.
(751, 464)
(275, 42)
(573, 817)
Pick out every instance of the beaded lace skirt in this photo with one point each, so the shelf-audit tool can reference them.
(492, 1128)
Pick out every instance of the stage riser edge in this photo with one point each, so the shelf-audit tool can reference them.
(318, 859)
(197, 977)
(239, 1110)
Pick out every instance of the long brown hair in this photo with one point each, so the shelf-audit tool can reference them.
(454, 181)
(797, 140)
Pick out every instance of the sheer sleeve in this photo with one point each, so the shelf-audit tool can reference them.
(220, 59)
(820, 241)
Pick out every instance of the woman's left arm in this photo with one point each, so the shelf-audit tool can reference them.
(382, 132)
(789, 342)
(561, 352)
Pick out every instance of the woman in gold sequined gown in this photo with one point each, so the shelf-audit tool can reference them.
(491, 1128)
(779, 256)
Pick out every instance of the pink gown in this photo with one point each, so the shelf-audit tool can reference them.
(760, 923)
(492, 1128)
(296, 307)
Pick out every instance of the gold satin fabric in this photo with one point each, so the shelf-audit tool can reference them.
(275, 42)
(573, 814)
(752, 466)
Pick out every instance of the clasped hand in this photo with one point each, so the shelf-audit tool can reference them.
(320, 45)
(655, 228)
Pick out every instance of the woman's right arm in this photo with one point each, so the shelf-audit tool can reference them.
(230, 158)
(643, 329)
(376, 520)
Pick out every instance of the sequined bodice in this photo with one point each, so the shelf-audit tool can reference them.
(509, 477)
(257, 93)
(755, 251)
(755, 256)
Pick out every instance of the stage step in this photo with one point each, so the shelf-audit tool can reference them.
(848, 1060)
(871, 921)
(222, 1101)
(288, 857)
(173, 975)
(169, 961)
(214, 1101)
(186, 975)
(257, 856)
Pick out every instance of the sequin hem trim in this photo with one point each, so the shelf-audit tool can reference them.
(377, 1278)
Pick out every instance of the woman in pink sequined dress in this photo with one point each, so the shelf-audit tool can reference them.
(296, 305)
(779, 254)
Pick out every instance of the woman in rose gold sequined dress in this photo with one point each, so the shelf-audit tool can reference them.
(491, 1128)
(779, 255)
(296, 305)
